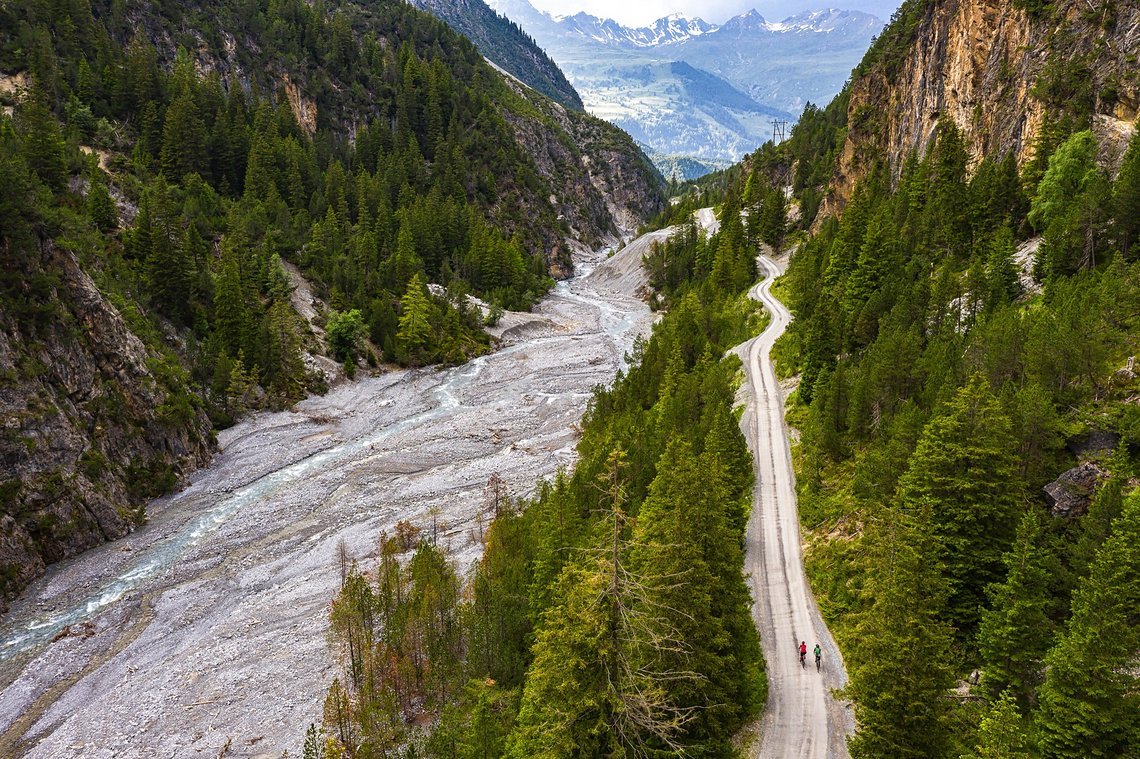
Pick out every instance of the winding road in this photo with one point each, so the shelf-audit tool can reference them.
(802, 719)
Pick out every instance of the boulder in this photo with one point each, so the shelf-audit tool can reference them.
(1070, 494)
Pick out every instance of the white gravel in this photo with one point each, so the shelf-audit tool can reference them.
(209, 624)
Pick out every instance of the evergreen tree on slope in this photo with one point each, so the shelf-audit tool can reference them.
(1090, 702)
(963, 470)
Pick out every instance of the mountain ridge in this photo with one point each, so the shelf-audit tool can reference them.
(506, 45)
(678, 28)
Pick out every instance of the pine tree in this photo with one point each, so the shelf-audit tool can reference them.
(169, 266)
(724, 444)
(415, 332)
(239, 387)
(1016, 630)
(18, 209)
(1090, 701)
(183, 140)
(1126, 198)
(100, 206)
(669, 559)
(773, 217)
(1003, 283)
(948, 200)
(899, 654)
(284, 370)
(405, 264)
(42, 140)
(963, 471)
(314, 747)
(433, 622)
(1003, 733)
(585, 694)
(498, 620)
(1096, 525)
(231, 312)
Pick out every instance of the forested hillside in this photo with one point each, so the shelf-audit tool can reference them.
(507, 46)
(609, 614)
(967, 397)
(164, 165)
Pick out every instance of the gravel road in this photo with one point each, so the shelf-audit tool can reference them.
(802, 718)
(207, 627)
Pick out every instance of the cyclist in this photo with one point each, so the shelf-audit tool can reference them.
(818, 657)
(803, 653)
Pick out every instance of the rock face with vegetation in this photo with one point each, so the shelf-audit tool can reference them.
(166, 166)
(94, 422)
(506, 45)
(600, 181)
(1004, 72)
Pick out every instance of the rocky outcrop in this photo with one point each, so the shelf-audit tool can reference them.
(91, 422)
(601, 185)
(1070, 494)
(997, 72)
(304, 108)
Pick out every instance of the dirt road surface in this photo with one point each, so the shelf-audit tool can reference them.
(802, 718)
(207, 627)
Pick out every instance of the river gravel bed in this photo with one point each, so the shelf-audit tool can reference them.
(208, 626)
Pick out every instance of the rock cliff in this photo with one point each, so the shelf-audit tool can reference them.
(93, 423)
(999, 71)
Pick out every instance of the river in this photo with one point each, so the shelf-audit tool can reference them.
(207, 627)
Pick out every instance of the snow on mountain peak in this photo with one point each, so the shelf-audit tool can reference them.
(677, 28)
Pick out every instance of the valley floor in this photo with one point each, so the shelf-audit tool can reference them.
(208, 626)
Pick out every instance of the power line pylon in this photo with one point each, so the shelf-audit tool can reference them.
(778, 127)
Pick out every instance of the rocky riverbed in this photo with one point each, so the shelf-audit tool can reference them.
(207, 627)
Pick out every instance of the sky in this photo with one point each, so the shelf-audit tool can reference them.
(642, 12)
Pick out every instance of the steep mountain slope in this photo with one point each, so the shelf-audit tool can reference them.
(94, 422)
(804, 58)
(505, 45)
(1005, 74)
(682, 168)
(626, 75)
(153, 196)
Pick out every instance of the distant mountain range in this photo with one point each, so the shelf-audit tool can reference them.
(688, 87)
